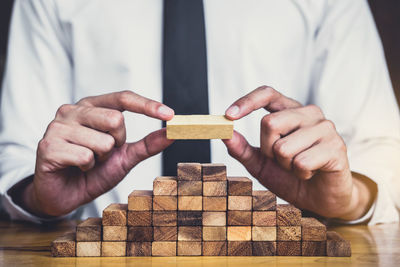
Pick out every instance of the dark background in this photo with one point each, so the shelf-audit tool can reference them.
(386, 14)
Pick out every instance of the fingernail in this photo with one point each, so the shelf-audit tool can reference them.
(166, 111)
(233, 111)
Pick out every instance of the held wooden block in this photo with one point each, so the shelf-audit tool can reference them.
(89, 230)
(264, 218)
(190, 203)
(312, 230)
(115, 233)
(213, 172)
(239, 233)
(88, 249)
(164, 218)
(189, 248)
(199, 127)
(164, 203)
(288, 233)
(239, 217)
(287, 215)
(263, 233)
(163, 248)
(264, 248)
(264, 200)
(214, 203)
(240, 186)
(189, 171)
(139, 218)
(138, 249)
(288, 248)
(214, 233)
(313, 248)
(189, 233)
(214, 218)
(113, 249)
(336, 246)
(140, 233)
(214, 189)
(215, 248)
(190, 188)
(64, 246)
(165, 186)
(140, 200)
(190, 218)
(165, 233)
(239, 202)
(115, 214)
(239, 248)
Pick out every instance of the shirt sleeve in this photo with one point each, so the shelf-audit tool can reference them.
(37, 81)
(350, 82)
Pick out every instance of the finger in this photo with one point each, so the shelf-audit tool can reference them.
(262, 97)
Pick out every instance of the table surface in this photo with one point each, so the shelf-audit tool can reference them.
(28, 244)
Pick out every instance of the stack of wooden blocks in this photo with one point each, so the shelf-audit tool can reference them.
(201, 212)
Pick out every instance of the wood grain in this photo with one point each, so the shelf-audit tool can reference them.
(214, 218)
(215, 188)
(189, 171)
(336, 246)
(240, 248)
(165, 233)
(163, 248)
(264, 248)
(189, 233)
(115, 214)
(164, 218)
(239, 233)
(213, 172)
(312, 230)
(190, 188)
(190, 218)
(264, 200)
(64, 246)
(263, 233)
(189, 248)
(313, 248)
(288, 233)
(215, 248)
(288, 248)
(287, 215)
(264, 218)
(164, 203)
(239, 202)
(113, 249)
(115, 233)
(138, 249)
(239, 217)
(165, 186)
(139, 218)
(140, 200)
(214, 233)
(89, 230)
(88, 249)
(214, 203)
(240, 186)
(140, 233)
(190, 203)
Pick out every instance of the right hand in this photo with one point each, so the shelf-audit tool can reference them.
(84, 153)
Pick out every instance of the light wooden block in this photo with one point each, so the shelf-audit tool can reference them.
(264, 200)
(189, 171)
(214, 203)
(139, 218)
(264, 248)
(214, 233)
(215, 248)
(163, 248)
(263, 233)
(214, 218)
(88, 249)
(64, 246)
(190, 218)
(140, 233)
(113, 249)
(115, 233)
(264, 218)
(288, 233)
(215, 188)
(165, 186)
(190, 203)
(189, 248)
(165, 233)
(213, 172)
(199, 127)
(164, 218)
(115, 214)
(239, 217)
(161, 203)
(138, 249)
(313, 248)
(336, 246)
(239, 233)
(89, 230)
(240, 186)
(140, 200)
(239, 202)
(189, 233)
(190, 188)
(312, 230)
(287, 215)
(240, 248)
(288, 248)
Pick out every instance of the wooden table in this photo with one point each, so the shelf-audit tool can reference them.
(27, 244)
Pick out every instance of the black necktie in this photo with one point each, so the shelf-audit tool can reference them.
(185, 75)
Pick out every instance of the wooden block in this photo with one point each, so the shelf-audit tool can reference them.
(189, 233)
(88, 249)
(215, 189)
(214, 233)
(140, 200)
(264, 200)
(164, 218)
(312, 230)
(89, 230)
(263, 233)
(190, 218)
(189, 248)
(140, 233)
(239, 248)
(115, 233)
(138, 249)
(189, 171)
(214, 218)
(115, 214)
(165, 233)
(239, 217)
(215, 248)
(163, 248)
(264, 248)
(190, 188)
(239, 233)
(113, 249)
(240, 186)
(139, 218)
(264, 218)
(288, 248)
(313, 248)
(165, 186)
(199, 127)
(287, 215)
(288, 233)
(239, 202)
(64, 246)
(190, 203)
(164, 203)
(214, 203)
(213, 172)
(336, 246)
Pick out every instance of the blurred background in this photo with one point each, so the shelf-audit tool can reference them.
(386, 14)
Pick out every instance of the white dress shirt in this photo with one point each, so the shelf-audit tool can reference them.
(325, 52)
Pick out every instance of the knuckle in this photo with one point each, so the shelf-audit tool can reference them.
(267, 88)
(124, 97)
(329, 125)
(54, 126)
(108, 143)
(269, 122)
(64, 110)
(84, 101)
(314, 109)
(300, 163)
(280, 148)
(115, 119)
(86, 157)
(43, 146)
